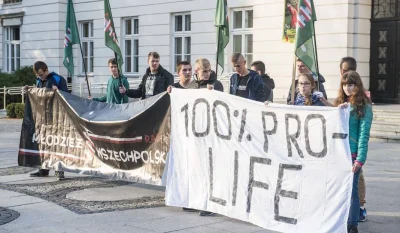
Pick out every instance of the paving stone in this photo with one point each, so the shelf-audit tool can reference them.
(7, 215)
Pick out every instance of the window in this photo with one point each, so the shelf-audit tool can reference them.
(182, 39)
(87, 46)
(12, 1)
(131, 45)
(242, 33)
(12, 48)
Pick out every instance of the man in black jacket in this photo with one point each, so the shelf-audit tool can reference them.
(204, 77)
(269, 84)
(155, 81)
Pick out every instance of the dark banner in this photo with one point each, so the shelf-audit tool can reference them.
(128, 141)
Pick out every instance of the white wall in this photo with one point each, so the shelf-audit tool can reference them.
(41, 31)
(343, 29)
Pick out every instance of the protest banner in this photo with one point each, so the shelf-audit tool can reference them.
(284, 168)
(121, 141)
(290, 21)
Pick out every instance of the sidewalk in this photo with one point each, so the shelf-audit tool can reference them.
(89, 204)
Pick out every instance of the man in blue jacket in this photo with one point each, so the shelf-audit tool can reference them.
(56, 82)
(246, 83)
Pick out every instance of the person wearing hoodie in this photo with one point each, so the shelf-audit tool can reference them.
(155, 81)
(245, 83)
(204, 77)
(269, 84)
(116, 86)
(303, 69)
(54, 81)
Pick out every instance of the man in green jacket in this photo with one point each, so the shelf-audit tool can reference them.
(115, 91)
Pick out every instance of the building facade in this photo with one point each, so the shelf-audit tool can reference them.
(184, 30)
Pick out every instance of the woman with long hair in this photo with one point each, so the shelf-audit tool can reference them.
(351, 94)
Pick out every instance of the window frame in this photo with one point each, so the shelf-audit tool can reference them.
(131, 37)
(90, 46)
(183, 35)
(243, 32)
(8, 43)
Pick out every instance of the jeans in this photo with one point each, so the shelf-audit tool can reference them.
(354, 214)
(361, 189)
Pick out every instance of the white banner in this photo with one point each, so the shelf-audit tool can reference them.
(284, 168)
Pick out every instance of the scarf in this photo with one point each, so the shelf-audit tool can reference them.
(301, 100)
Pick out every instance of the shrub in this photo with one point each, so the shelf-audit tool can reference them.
(11, 110)
(21, 77)
(19, 110)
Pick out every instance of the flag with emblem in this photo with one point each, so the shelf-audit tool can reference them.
(110, 35)
(222, 24)
(71, 37)
(305, 47)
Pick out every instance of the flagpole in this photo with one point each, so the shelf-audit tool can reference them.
(119, 73)
(80, 46)
(218, 47)
(84, 66)
(316, 56)
(293, 88)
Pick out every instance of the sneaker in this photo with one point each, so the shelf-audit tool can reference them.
(60, 175)
(189, 210)
(363, 215)
(206, 213)
(352, 229)
(40, 173)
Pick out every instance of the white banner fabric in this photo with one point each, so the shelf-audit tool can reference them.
(284, 168)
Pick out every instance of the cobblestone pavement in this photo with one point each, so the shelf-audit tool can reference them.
(7, 171)
(56, 192)
(7, 215)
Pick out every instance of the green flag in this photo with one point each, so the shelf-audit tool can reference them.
(305, 49)
(71, 37)
(222, 24)
(110, 35)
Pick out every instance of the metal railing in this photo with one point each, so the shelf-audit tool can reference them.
(80, 89)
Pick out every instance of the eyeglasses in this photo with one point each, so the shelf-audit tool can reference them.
(40, 75)
(186, 70)
(304, 84)
(113, 66)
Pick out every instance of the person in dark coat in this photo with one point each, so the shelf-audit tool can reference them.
(155, 81)
(246, 83)
(204, 77)
(53, 81)
(269, 84)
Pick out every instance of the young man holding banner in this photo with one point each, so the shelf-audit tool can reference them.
(116, 86)
(205, 77)
(184, 70)
(155, 81)
(52, 81)
(246, 83)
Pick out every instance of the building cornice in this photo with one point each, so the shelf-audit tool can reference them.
(19, 15)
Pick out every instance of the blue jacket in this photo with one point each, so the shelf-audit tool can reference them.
(359, 133)
(254, 87)
(53, 79)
